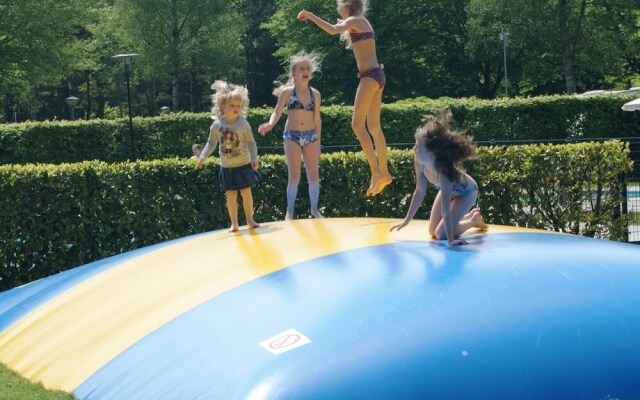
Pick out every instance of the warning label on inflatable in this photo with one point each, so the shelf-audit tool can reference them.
(285, 341)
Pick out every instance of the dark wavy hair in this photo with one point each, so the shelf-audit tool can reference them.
(449, 147)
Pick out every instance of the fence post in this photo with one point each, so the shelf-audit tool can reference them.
(623, 209)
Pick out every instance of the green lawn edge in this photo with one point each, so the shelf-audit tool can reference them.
(15, 387)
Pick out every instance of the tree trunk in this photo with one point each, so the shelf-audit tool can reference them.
(87, 114)
(175, 85)
(100, 99)
(192, 81)
(569, 42)
(175, 55)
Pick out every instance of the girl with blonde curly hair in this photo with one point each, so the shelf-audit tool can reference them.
(238, 150)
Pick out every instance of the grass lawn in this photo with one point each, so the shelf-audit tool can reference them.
(15, 387)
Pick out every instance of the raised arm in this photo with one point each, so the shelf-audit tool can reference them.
(416, 200)
(331, 29)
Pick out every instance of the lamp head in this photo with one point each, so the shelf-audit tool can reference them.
(72, 101)
(126, 58)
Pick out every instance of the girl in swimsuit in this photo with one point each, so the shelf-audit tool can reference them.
(438, 152)
(302, 129)
(356, 30)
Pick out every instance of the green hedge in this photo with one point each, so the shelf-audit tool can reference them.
(539, 118)
(56, 217)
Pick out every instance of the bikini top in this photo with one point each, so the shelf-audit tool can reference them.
(357, 36)
(295, 103)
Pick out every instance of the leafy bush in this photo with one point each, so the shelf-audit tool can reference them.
(56, 217)
(520, 119)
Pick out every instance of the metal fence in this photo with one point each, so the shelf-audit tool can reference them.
(631, 207)
(631, 200)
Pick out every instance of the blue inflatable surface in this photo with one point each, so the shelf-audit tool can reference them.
(337, 309)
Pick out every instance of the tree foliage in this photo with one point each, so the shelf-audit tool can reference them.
(34, 50)
(186, 42)
(50, 50)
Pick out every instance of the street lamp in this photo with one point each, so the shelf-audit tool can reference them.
(72, 102)
(126, 57)
(165, 110)
(504, 36)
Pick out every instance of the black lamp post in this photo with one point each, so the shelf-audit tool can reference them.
(72, 102)
(504, 36)
(126, 57)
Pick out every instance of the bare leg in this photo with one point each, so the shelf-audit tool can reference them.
(469, 215)
(477, 220)
(375, 129)
(364, 98)
(436, 215)
(310, 154)
(247, 204)
(292, 152)
(476, 217)
(459, 207)
(232, 207)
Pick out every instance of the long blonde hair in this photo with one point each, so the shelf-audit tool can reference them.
(224, 92)
(355, 7)
(314, 59)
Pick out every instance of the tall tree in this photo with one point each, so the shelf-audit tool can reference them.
(421, 43)
(570, 29)
(555, 45)
(591, 39)
(262, 65)
(291, 36)
(181, 39)
(92, 73)
(33, 46)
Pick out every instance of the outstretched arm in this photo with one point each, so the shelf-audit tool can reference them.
(331, 29)
(417, 198)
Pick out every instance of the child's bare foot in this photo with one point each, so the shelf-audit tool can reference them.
(378, 183)
(477, 220)
(471, 212)
(372, 187)
(316, 214)
(253, 225)
(233, 229)
(382, 183)
(288, 217)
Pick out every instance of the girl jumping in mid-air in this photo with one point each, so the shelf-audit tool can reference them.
(302, 129)
(358, 34)
(238, 151)
(438, 153)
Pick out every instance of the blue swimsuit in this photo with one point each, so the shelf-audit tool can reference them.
(301, 137)
(295, 103)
